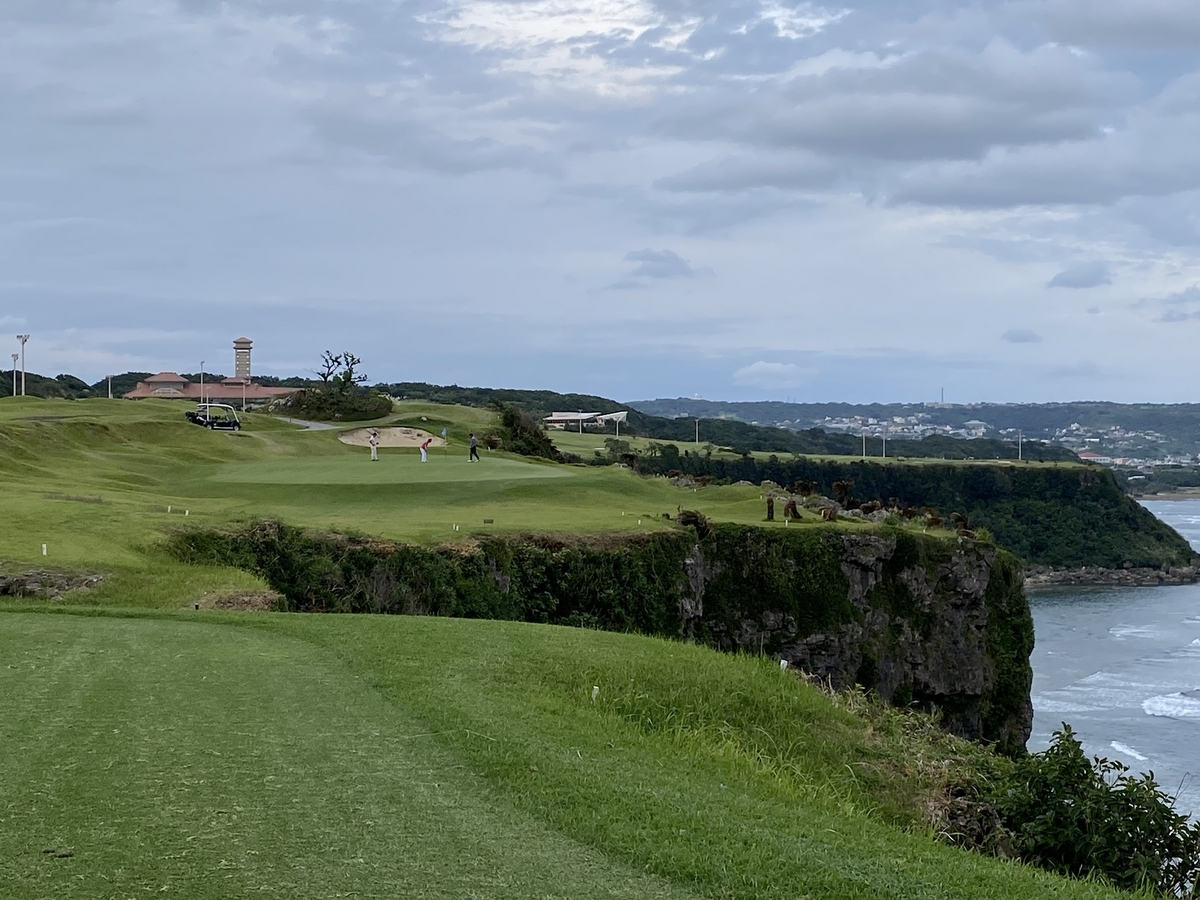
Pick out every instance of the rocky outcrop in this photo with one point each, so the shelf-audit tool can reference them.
(44, 584)
(948, 631)
(1043, 576)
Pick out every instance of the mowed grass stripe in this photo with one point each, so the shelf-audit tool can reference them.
(193, 760)
(393, 467)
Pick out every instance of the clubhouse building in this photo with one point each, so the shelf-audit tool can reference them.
(241, 389)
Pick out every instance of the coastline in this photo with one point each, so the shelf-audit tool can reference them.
(1046, 576)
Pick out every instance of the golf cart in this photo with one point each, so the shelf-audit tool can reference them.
(216, 416)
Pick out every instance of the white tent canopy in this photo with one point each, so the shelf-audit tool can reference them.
(579, 419)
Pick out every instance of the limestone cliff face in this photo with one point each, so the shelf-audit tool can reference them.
(941, 623)
(944, 626)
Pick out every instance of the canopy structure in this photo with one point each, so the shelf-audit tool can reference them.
(580, 419)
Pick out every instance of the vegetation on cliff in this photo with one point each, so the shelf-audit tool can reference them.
(884, 612)
(1066, 515)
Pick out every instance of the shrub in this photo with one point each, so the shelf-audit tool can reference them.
(1079, 817)
(523, 433)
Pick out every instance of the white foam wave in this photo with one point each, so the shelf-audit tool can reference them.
(1121, 632)
(1047, 705)
(1173, 706)
(1126, 750)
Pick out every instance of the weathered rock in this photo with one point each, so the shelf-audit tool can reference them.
(45, 584)
(919, 633)
(1041, 576)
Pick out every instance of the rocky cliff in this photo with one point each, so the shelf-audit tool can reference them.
(940, 623)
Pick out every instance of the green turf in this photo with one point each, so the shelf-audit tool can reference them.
(100, 482)
(224, 755)
(393, 467)
(232, 756)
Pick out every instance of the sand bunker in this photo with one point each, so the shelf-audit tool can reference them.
(390, 437)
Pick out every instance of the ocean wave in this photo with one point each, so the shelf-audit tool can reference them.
(1048, 705)
(1125, 631)
(1173, 706)
(1126, 750)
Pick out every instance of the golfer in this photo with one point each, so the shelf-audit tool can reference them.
(424, 448)
(373, 440)
(474, 454)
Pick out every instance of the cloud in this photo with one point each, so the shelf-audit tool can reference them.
(660, 264)
(1145, 24)
(1181, 306)
(1082, 275)
(1021, 336)
(800, 21)
(769, 375)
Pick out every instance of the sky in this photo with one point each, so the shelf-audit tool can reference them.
(745, 199)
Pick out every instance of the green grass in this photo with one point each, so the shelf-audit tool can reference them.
(101, 482)
(221, 755)
(224, 755)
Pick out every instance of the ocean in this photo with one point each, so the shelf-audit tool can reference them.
(1122, 667)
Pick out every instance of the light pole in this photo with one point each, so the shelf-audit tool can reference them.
(22, 338)
(14, 356)
(109, 387)
(244, 380)
(201, 381)
(1020, 442)
(864, 436)
(697, 431)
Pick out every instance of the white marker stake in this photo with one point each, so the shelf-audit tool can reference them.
(168, 509)
(187, 512)
(43, 549)
(783, 664)
(595, 692)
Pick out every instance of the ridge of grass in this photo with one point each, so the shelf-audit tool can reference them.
(227, 755)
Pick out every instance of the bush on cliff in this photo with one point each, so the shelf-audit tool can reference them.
(1092, 818)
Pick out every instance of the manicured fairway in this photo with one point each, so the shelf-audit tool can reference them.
(207, 755)
(392, 467)
(190, 760)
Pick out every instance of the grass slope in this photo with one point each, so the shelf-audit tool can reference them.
(225, 755)
(94, 480)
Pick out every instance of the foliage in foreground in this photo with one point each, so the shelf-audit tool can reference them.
(1092, 818)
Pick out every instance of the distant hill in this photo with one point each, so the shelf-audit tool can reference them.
(723, 431)
(1150, 430)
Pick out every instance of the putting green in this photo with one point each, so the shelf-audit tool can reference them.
(392, 468)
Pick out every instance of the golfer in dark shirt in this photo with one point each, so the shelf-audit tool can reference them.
(474, 455)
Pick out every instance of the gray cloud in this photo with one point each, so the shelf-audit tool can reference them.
(1082, 275)
(1144, 24)
(1021, 336)
(660, 264)
(365, 165)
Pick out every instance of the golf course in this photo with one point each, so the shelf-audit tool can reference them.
(157, 744)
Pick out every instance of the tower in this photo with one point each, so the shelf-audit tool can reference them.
(241, 358)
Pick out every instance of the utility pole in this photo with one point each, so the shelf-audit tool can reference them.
(22, 338)
(885, 440)
(697, 431)
(14, 356)
(201, 381)
(1020, 441)
(109, 387)
(864, 437)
